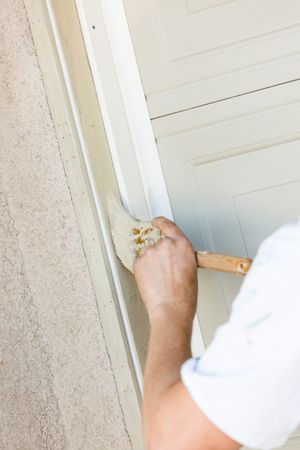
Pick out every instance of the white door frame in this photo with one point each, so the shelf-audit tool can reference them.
(125, 114)
(76, 158)
(123, 106)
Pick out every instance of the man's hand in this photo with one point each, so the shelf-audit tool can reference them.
(166, 274)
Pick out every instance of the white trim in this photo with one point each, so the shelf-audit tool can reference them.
(122, 101)
(99, 208)
(90, 215)
(138, 117)
(123, 82)
(111, 104)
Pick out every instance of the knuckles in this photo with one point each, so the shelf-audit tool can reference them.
(161, 219)
(185, 244)
(166, 248)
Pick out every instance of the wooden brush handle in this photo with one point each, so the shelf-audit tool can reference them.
(223, 263)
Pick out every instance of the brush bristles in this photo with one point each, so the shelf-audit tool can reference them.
(129, 235)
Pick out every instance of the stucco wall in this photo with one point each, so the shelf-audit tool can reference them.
(57, 389)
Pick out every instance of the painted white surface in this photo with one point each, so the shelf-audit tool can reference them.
(222, 160)
(124, 108)
(98, 206)
(233, 176)
(134, 152)
(193, 52)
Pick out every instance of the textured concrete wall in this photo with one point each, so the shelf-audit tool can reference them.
(57, 389)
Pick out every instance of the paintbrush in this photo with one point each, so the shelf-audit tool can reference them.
(130, 236)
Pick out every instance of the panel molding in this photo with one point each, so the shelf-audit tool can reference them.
(284, 139)
(232, 120)
(194, 7)
(233, 111)
(222, 87)
(258, 39)
(193, 59)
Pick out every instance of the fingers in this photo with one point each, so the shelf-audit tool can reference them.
(167, 227)
(143, 250)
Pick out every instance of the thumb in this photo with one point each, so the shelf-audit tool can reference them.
(167, 227)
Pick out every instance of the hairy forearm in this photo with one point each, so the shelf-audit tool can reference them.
(169, 347)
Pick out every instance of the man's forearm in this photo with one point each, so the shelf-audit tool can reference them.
(169, 347)
(166, 274)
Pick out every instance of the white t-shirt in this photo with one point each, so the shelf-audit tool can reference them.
(248, 380)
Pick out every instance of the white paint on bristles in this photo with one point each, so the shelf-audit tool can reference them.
(129, 234)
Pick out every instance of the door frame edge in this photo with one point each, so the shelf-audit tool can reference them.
(118, 82)
(124, 372)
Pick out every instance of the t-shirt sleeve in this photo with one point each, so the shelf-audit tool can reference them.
(248, 380)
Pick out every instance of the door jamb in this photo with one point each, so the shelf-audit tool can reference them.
(125, 114)
(89, 212)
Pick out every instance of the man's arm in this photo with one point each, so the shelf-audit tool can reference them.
(167, 279)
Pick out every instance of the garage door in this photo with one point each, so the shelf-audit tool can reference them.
(191, 52)
(232, 171)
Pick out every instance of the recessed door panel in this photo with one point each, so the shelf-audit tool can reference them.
(192, 52)
(233, 175)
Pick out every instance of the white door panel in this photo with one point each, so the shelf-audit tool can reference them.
(192, 52)
(232, 171)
